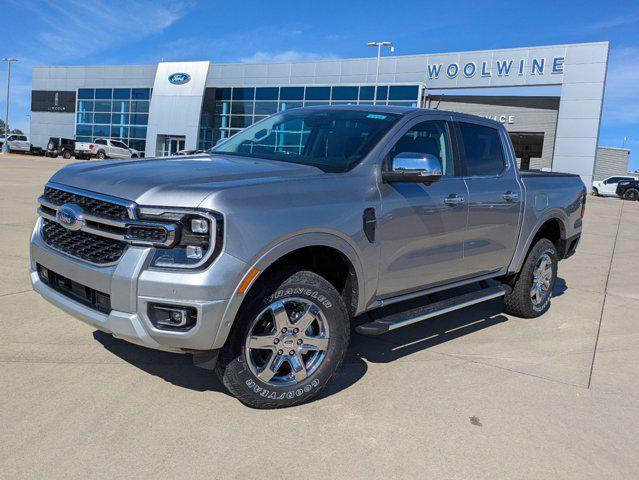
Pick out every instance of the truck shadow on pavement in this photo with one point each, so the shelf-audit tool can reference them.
(179, 370)
(175, 368)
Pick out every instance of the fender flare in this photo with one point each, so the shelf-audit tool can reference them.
(552, 214)
(273, 253)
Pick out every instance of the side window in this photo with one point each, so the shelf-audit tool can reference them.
(483, 149)
(429, 137)
(101, 141)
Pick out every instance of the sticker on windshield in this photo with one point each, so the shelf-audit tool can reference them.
(376, 116)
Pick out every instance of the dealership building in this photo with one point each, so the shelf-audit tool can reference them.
(160, 109)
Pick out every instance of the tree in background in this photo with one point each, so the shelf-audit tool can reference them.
(15, 130)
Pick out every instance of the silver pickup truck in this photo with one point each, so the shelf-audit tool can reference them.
(259, 257)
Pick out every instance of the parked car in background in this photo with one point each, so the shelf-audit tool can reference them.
(191, 152)
(17, 143)
(103, 148)
(61, 146)
(608, 187)
(258, 255)
(628, 189)
(37, 151)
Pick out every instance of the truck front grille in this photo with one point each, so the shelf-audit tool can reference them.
(82, 245)
(94, 206)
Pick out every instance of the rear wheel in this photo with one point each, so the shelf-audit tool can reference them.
(595, 192)
(101, 155)
(531, 293)
(287, 342)
(66, 154)
(631, 194)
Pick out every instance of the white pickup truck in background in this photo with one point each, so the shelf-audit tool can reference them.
(104, 148)
(16, 142)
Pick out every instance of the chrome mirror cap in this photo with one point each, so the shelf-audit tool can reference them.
(414, 167)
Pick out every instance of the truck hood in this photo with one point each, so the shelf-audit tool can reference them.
(182, 181)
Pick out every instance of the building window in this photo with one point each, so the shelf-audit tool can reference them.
(226, 111)
(118, 113)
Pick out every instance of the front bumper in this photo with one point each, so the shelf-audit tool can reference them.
(132, 287)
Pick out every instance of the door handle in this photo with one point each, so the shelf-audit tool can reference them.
(510, 196)
(454, 199)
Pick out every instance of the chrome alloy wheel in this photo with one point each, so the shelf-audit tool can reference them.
(542, 276)
(287, 341)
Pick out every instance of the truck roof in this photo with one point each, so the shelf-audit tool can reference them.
(400, 110)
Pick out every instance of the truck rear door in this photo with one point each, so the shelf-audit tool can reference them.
(494, 196)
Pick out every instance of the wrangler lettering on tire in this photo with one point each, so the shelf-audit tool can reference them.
(287, 342)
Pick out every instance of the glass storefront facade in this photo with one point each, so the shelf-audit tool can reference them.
(118, 113)
(226, 111)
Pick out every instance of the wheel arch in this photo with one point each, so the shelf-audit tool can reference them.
(304, 250)
(551, 226)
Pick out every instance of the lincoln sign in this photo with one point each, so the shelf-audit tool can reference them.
(500, 68)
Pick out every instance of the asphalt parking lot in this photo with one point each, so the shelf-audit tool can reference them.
(473, 394)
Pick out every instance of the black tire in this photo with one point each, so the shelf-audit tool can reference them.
(66, 154)
(519, 301)
(134, 156)
(288, 287)
(595, 192)
(101, 155)
(631, 194)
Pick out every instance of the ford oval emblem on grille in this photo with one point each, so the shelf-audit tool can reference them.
(70, 216)
(179, 78)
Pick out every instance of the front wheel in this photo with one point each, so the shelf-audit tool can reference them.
(631, 194)
(530, 296)
(595, 192)
(287, 342)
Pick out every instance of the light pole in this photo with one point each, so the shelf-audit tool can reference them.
(379, 46)
(5, 144)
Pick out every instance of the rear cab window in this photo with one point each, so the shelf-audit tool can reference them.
(482, 148)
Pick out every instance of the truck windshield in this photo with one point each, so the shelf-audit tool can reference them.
(331, 139)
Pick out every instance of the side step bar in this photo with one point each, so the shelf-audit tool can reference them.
(408, 317)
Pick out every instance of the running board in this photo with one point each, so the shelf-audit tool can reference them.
(408, 317)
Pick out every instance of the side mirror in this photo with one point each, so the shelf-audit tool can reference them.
(414, 167)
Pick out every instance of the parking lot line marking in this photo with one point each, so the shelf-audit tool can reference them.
(603, 303)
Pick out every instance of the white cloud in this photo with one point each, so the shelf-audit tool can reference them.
(92, 27)
(287, 56)
(615, 22)
(621, 101)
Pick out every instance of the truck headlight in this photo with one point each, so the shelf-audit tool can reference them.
(199, 237)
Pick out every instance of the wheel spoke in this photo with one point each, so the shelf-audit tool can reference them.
(298, 367)
(314, 343)
(280, 316)
(534, 294)
(273, 364)
(261, 342)
(307, 318)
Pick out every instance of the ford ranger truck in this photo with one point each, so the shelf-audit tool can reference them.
(259, 257)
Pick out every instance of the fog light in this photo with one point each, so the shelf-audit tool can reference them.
(195, 253)
(172, 316)
(199, 225)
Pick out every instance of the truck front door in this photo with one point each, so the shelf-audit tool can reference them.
(421, 227)
(494, 197)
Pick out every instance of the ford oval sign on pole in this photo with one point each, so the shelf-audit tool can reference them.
(179, 78)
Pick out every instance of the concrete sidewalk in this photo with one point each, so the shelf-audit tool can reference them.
(473, 394)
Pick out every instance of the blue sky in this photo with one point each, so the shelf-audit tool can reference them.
(116, 32)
